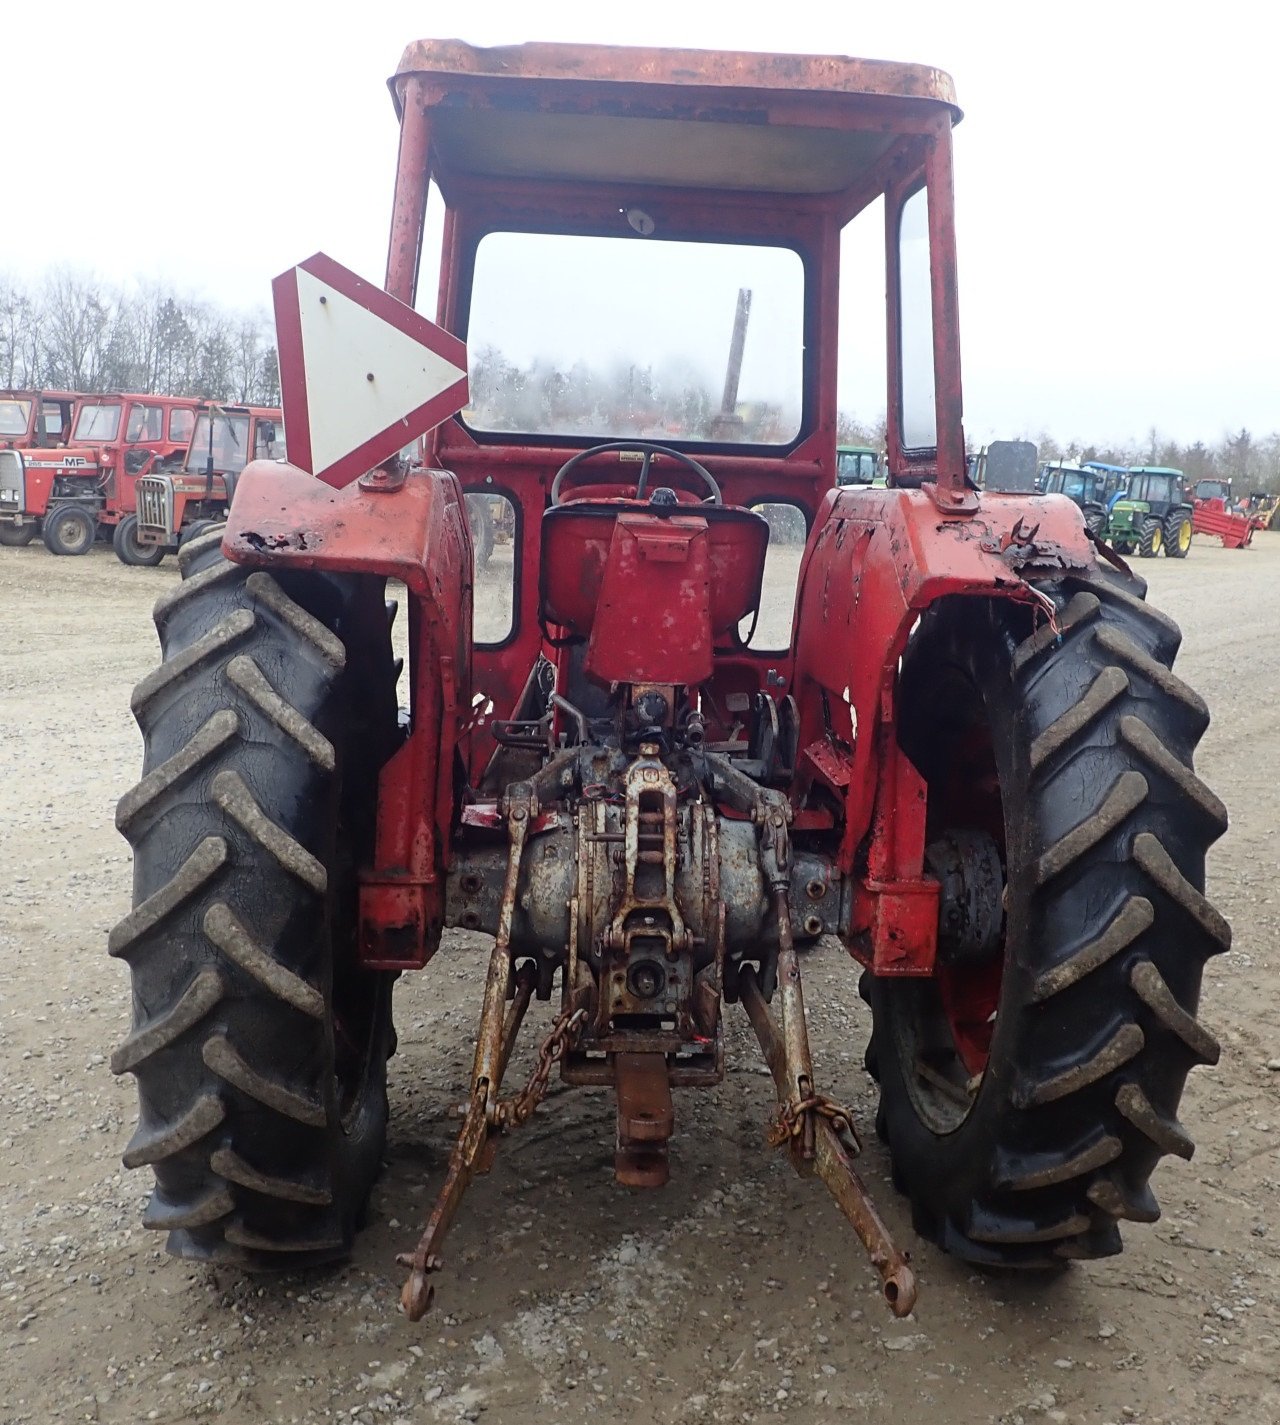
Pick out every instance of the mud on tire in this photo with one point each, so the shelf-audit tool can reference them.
(258, 1046)
(1106, 827)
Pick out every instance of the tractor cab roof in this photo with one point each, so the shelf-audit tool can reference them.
(769, 123)
(109, 397)
(14, 393)
(1154, 470)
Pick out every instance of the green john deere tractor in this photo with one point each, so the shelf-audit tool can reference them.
(1154, 514)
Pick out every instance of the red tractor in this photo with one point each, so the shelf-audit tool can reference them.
(34, 423)
(1215, 513)
(35, 418)
(171, 507)
(71, 492)
(964, 754)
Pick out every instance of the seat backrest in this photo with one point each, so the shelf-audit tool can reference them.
(653, 590)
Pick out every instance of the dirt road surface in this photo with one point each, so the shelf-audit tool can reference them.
(736, 1294)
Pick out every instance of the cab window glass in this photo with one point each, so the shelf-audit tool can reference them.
(769, 631)
(493, 544)
(862, 364)
(268, 440)
(97, 422)
(53, 419)
(181, 424)
(145, 423)
(915, 316)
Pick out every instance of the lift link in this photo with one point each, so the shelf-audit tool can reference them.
(499, 1025)
(831, 1161)
(809, 1123)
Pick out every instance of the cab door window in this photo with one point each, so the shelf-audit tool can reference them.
(181, 423)
(145, 423)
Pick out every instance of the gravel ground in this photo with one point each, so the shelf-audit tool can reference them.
(736, 1294)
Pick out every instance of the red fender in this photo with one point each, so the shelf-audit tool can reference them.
(412, 528)
(877, 558)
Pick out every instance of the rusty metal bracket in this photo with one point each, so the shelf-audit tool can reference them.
(498, 1029)
(812, 1135)
(646, 1119)
(483, 1118)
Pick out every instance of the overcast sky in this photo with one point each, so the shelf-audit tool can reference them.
(1118, 224)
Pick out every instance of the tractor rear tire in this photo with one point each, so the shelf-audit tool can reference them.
(124, 541)
(1177, 536)
(194, 531)
(1151, 541)
(259, 1044)
(69, 529)
(480, 518)
(17, 536)
(1034, 1158)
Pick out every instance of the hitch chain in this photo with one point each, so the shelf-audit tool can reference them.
(511, 1112)
(790, 1122)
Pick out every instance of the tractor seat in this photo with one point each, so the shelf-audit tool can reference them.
(652, 586)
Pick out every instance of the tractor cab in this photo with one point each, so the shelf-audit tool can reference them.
(1214, 489)
(1110, 481)
(35, 419)
(1160, 489)
(857, 465)
(126, 435)
(1093, 488)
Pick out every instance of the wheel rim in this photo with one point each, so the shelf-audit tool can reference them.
(70, 532)
(1157, 540)
(1184, 536)
(944, 1025)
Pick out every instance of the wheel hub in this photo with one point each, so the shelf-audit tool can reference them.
(967, 866)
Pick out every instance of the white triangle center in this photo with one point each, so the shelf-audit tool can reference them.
(343, 344)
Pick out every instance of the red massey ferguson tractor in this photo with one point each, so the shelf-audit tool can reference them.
(966, 755)
(174, 506)
(72, 492)
(32, 423)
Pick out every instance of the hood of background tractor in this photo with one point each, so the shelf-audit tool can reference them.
(81, 457)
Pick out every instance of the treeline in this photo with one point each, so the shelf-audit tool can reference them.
(69, 331)
(72, 332)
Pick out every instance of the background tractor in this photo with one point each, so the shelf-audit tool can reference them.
(859, 465)
(171, 507)
(31, 424)
(964, 754)
(1260, 508)
(1215, 513)
(73, 490)
(1152, 515)
(41, 419)
(1091, 490)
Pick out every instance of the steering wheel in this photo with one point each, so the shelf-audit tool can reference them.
(648, 450)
